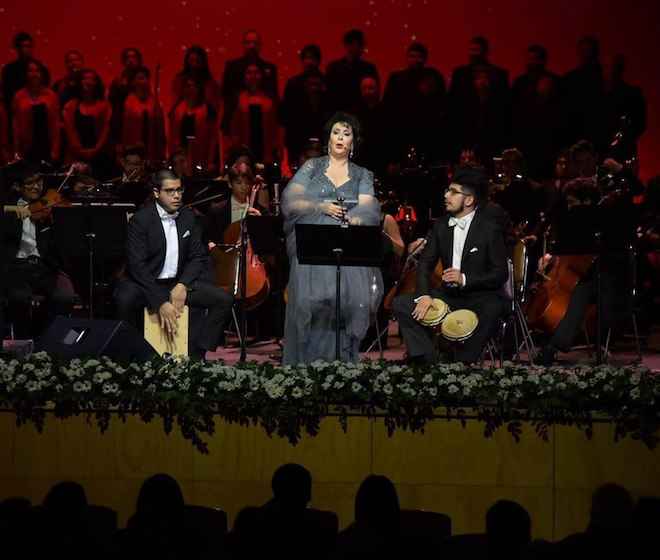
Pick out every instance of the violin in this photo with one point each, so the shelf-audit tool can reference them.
(41, 210)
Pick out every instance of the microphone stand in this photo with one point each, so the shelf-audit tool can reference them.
(339, 253)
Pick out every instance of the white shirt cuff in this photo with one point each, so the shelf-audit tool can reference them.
(464, 280)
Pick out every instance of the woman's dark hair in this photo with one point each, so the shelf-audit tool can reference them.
(205, 72)
(45, 74)
(126, 51)
(346, 118)
(99, 88)
(377, 504)
(160, 496)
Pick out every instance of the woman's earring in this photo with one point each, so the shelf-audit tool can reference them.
(350, 154)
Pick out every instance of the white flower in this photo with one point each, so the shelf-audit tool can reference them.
(452, 389)
(201, 392)
(7, 377)
(78, 387)
(21, 378)
(433, 391)
(428, 378)
(58, 388)
(297, 393)
(388, 389)
(356, 387)
(32, 386)
(635, 393)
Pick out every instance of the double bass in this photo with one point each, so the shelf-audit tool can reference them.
(227, 262)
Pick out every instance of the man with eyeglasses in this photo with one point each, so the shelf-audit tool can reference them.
(166, 261)
(469, 242)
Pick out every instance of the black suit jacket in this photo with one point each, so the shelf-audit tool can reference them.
(146, 248)
(484, 255)
(11, 233)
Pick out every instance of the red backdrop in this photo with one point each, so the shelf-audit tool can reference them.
(162, 29)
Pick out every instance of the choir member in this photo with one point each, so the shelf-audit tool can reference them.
(196, 66)
(67, 87)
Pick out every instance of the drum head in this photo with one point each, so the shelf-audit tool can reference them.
(459, 325)
(436, 313)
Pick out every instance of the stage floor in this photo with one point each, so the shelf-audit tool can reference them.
(622, 354)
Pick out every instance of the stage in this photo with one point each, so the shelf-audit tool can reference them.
(452, 466)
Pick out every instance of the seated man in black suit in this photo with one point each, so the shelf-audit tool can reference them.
(470, 245)
(31, 264)
(166, 261)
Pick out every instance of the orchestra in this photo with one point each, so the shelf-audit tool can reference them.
(468, 202)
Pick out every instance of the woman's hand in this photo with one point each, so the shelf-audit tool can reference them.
(332, 209)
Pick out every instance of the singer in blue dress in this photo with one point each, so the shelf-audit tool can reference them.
(312, 197)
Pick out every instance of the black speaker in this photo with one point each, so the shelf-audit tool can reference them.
(68, 338)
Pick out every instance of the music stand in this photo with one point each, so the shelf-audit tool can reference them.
(88, 230)
(329, 245)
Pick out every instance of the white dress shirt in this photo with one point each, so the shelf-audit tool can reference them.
(238, 210)
(171, 264)
(461, 228)
(28, 245)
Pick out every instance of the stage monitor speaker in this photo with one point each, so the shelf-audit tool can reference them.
(68, 338)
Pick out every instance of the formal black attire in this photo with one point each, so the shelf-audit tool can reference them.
(485, 267)
(26, 276)
(303, 115)
(574, 231)
(233, 82)
(462, 79)
(146, 250)
(582, 91)
(416, 106)
(343, 77)
(539, 128)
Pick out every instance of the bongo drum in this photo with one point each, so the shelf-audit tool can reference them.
(436, 313)
(459, 325)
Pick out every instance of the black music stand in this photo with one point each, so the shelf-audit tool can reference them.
(91, 230)
(329, 245)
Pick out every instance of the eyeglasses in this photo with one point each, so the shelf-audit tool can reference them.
(452, 191)
(172, 192)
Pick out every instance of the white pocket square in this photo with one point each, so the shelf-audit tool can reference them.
(187, 234)
(473, 250)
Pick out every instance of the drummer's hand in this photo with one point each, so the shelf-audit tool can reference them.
(178, 297)
(424, 303)
(253, 212)
(211, 246)
(168, 316)
(332, 209)
(452, 276)
(23, 212)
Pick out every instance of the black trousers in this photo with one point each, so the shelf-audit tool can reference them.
(26, 278)
(615, 302)
(209, 308)
(419, 339)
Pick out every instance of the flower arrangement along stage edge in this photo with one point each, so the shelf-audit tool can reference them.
(290, 401)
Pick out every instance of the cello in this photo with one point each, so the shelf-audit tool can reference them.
(227, 262)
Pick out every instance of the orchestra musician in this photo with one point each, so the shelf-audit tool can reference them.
(166, 263)
(32, 264)
(241, 180)
(470, 244)
(590, 221)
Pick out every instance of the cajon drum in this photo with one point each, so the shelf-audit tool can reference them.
(157, 337)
